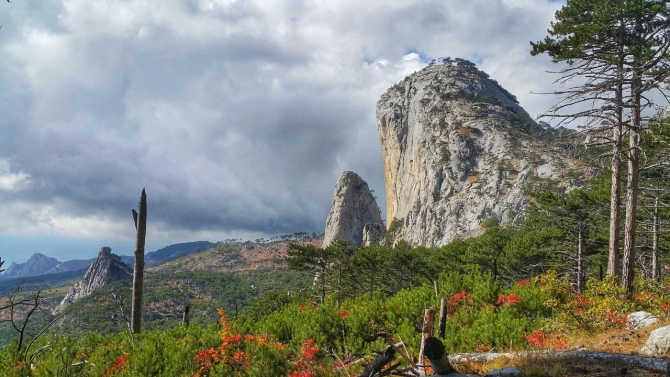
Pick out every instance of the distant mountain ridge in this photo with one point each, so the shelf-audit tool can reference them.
(170, 253)
(39, 264)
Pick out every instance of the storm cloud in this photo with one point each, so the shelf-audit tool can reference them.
(237, 116)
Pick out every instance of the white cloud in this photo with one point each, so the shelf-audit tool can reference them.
(12, 181)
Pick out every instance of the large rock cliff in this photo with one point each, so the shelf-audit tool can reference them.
(458, 150)
(353, 207)
(107, 267)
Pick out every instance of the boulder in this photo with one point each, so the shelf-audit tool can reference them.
(658, 343)
(638, 320)
(353, 207)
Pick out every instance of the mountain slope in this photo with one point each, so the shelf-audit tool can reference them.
(170, 253)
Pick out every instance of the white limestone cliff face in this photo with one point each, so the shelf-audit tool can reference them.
(458, 150)
(353, 207)
(107, 267)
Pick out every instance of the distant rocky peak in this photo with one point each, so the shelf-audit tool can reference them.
(353, 207)
(107, 267)
(105, 252)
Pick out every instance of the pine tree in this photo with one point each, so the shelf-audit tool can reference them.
(616, 50)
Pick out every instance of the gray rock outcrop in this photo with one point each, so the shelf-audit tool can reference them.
(353, 207)
(106, 268)
(658, 343)
(372, 233)
(458, 150)
(641, 319)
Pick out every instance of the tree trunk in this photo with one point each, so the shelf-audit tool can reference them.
(426, 332)
(138, 274)
(628, 272)
(443, 318)
(613, 267)
(655, 266)
(186, 319)
(615, 202)
(580, 261)
(323, 283)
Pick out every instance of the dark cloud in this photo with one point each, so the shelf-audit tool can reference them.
(237, 116)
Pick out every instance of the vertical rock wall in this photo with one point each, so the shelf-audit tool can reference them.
(353, 207)
(458, 150)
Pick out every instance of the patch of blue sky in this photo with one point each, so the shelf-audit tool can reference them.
(424, 58)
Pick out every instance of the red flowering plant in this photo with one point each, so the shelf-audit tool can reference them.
(523, 283)
(664, 308)
(241, 355)
(456, 300)
(510, 299)
(542, 340)
(614, 320)
(307, 365)
(581, 303)
(120, 364)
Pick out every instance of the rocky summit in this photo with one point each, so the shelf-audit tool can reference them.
(107, 267)
(458, 152)
(353, 207)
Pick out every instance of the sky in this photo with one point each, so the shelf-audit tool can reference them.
(237, 116)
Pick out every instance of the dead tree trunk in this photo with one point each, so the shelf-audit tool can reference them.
(615, 207)
(580, 260)
(655, 266)
(378, 363)
(443, 318)
(437, 355)
(186, 320)
(138, 274)
(426, 332)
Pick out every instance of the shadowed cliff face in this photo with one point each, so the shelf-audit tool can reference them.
(458, 150)
(107, 267)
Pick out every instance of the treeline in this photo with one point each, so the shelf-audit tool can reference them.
(567, 233)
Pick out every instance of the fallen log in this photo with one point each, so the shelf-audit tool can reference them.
(656, 364)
